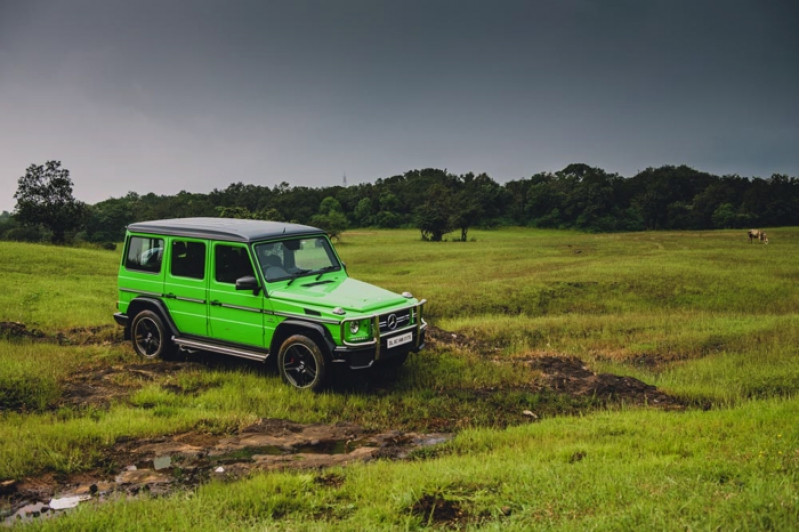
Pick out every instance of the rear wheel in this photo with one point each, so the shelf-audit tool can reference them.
(149, 335)
(301, 363)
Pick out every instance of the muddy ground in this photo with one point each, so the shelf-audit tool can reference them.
(180, 461)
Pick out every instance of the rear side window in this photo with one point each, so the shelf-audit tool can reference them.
(188, 259)
(145, 253)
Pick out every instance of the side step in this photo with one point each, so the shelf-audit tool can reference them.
(240, 352)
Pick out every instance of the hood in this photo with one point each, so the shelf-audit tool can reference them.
(350, 294)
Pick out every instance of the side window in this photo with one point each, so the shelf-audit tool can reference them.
(188, 259)
(145, 253)
(230, 263)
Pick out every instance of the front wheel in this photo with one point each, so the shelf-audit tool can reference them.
(149, 335)
(301, 363)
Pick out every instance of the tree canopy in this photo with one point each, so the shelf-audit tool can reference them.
(433, 201)
(44, 198)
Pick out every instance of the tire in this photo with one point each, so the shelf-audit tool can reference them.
(149, 336)
(302, 364)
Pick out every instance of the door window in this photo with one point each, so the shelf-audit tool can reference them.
(144, 253)
(231, 263)
(188, 259)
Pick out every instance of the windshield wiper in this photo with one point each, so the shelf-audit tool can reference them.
(298, 273)
(323, 271)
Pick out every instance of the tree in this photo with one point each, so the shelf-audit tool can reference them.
(363, 212)
(434, 216)
(330, 217)
(44, 197)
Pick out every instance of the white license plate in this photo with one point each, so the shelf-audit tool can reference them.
(399, 340)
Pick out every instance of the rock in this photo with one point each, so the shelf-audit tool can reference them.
(142, 477)
(63, 503)
(162, 462)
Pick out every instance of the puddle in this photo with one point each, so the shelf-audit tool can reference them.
(27, 513)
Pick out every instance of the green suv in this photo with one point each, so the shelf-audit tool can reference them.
(254, 289)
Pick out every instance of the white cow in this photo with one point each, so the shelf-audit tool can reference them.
(757, 234)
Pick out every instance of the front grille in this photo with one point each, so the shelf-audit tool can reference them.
(393, 321)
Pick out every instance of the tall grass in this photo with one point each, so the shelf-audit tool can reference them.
(56, 288)
(702, 315)
(536, 273)
(727, 469)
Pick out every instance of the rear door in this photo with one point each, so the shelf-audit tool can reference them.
(235, 316)
(186, 286)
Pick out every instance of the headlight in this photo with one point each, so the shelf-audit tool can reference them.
(354, 327)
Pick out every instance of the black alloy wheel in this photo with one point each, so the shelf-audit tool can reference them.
(149, 336)
(301, 363)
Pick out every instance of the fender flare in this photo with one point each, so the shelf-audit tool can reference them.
(150, 303)
(281, 334)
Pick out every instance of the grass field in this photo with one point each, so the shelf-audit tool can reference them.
(705, 317)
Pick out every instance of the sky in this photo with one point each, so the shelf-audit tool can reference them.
(163, 96)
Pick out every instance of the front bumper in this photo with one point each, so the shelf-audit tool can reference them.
(390, 337)
(363, 357)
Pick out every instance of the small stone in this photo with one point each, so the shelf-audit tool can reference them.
(162, 462)
(528, 413)
(8, 486)
(220, 470)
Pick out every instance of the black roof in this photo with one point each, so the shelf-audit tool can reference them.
(230, 229)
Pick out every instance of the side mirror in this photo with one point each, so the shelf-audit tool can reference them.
(248, 282)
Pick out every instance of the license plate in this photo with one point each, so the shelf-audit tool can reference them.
(399, 340)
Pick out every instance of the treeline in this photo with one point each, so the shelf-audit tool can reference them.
(439, 203)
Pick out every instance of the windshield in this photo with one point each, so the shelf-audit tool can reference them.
(288, 259)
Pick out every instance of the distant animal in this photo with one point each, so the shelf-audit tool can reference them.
(757, 234)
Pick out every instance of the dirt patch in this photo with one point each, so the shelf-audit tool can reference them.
(14, 330)
(169, 463)
(568, 374)
(571, 376)
(435, 509)
(436, 336)
(106, 334)
(99, 387)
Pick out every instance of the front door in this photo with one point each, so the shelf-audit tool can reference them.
(234, 315)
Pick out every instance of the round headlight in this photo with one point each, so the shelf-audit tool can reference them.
(354, 327)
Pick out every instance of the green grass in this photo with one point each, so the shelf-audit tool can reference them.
(638, 470)
(55, 288)
(704, 316)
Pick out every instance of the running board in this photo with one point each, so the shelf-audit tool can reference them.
(223, 349)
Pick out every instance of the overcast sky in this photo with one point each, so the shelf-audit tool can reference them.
(167, 95)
